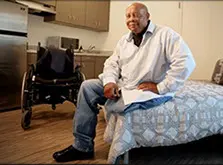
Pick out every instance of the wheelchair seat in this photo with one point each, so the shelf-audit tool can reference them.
(52, 80)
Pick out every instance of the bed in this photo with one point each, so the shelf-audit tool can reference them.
(195, 112)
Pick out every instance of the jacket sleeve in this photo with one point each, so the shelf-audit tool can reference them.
(181, 63)
(111, 71)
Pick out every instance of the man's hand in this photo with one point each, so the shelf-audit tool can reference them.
(148, 86)
(111, 91)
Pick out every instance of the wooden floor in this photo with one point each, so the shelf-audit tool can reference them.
(51, 130)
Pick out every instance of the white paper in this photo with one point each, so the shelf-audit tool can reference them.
(135, 95)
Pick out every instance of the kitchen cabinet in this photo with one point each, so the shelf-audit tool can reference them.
(103, 15)
(97, 14)
(78, 12)
(63, 10)
(70, 13)
(47, 2)
(88, 66)
(85, 14)
(91, 66)
(99, 64)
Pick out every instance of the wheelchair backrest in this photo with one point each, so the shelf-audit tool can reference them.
(54, 63)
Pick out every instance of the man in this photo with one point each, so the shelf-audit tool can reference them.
(150, 57)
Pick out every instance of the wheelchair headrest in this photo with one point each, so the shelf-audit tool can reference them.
(54, 63)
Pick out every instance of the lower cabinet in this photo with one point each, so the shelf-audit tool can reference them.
(99, 65)
(88, 66)
(91, 66)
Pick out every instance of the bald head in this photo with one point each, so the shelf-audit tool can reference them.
(137, 17)
(138, 6)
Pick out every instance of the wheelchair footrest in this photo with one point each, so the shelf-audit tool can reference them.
(55, 100)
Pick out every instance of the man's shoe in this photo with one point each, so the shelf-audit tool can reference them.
(70, 153)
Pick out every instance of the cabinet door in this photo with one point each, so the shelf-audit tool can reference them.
(97, 14)
(78, 12)
(63, 9)
(99, 65)
(103, 15)
(88, 66)
(91, 13)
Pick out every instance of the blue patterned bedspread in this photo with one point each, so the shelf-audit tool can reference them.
(194, 113)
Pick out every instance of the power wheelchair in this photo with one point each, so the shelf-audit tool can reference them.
(52, 80)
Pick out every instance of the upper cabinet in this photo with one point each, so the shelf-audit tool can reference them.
(63, 9)
(70, 12)
(47, 2)
(78, 12)
(82, 13)
(97, 14)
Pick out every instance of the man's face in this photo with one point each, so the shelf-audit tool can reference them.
(136, 19)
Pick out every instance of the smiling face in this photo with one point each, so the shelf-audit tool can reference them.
(137, 17)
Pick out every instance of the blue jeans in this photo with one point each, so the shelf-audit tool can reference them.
(85, 119)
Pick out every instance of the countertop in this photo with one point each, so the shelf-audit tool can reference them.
(99, 53)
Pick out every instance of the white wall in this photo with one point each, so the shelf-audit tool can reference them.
(38, 31)
(164, 13)
(203, 31)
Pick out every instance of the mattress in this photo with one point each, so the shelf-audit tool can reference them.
(195, 112)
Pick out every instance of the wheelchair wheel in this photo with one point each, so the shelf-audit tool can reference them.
(23, 91)
(26, 99)
(26, 119)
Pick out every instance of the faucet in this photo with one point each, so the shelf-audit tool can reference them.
(90, 48)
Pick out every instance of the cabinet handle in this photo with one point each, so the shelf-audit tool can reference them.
(99, 23)
(83, 65)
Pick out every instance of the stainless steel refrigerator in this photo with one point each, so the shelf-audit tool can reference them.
(13, 56)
